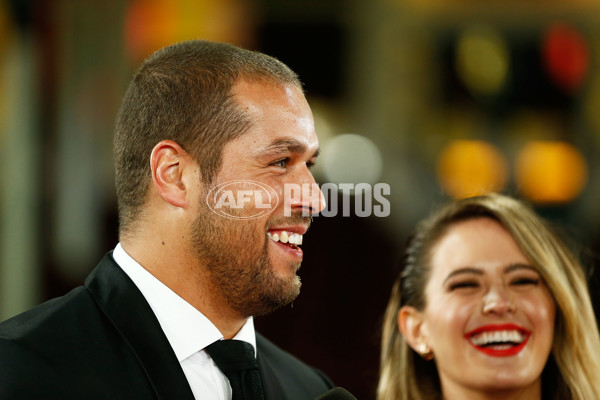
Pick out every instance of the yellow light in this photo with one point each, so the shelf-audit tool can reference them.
(468, 168)
(152, 24)
(550, 171)
(482, 60)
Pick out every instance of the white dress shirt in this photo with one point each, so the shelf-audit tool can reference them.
(187, 330)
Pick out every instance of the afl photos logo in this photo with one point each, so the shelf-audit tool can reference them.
(242, 199)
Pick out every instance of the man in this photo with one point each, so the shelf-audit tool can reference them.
(207, 139)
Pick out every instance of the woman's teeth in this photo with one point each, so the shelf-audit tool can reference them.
(487, 338)
(286, 237)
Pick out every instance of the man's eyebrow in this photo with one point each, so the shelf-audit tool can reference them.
(464, 270)
(285, 145)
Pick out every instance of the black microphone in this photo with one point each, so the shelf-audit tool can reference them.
(336, 393)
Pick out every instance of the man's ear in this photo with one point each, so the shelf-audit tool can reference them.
(171, 165)
(412, 325)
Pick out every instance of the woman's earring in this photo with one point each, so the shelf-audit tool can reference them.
(425, 352)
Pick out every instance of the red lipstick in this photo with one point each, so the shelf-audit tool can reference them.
(474, 338)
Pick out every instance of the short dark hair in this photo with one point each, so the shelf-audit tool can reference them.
(183, 93)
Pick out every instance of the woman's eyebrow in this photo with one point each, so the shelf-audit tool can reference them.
(464, 270)
(518, 266)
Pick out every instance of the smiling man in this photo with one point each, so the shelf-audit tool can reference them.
(185, 276)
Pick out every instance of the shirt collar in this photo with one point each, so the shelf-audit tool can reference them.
(186, 328)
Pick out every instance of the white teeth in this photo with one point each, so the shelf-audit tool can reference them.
(286, 237)
(295, 238)
(498, 337)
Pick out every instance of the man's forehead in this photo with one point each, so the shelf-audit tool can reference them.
(253, 95)
(282, 119)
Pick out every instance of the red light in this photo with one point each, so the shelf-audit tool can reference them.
(566, 56)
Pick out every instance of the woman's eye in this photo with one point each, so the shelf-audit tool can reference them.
(525, 281)
(464, 285)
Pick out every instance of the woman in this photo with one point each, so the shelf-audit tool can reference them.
(489, 305)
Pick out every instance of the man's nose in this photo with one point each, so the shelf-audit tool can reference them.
(303, 193)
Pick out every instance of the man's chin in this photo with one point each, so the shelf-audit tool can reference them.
(284, 293)
(286, 271)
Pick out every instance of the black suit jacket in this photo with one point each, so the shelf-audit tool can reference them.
(102, 341)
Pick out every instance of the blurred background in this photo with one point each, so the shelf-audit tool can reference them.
(439, 99)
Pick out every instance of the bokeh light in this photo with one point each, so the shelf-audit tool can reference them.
(482, 60)
(153, 24)
(468, 168)
(149, 25)
(550, 171)
(566, 56)
(351, 158)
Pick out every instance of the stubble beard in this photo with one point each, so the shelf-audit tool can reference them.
(240, 270)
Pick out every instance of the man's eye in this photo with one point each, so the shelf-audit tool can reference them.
(281, 163)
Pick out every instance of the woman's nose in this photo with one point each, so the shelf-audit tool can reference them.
(498, 300)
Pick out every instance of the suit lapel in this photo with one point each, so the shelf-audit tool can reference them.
(127, 309)
(271, 385)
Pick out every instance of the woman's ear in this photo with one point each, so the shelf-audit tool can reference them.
(170, 164)
(414, 329)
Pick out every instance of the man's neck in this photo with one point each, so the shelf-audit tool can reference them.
(191, 282)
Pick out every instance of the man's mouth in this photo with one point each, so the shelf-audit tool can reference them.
(291, 239)
(499, 340)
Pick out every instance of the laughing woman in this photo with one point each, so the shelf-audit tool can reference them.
(489, 305)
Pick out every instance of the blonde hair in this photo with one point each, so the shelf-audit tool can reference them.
(572, 371)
